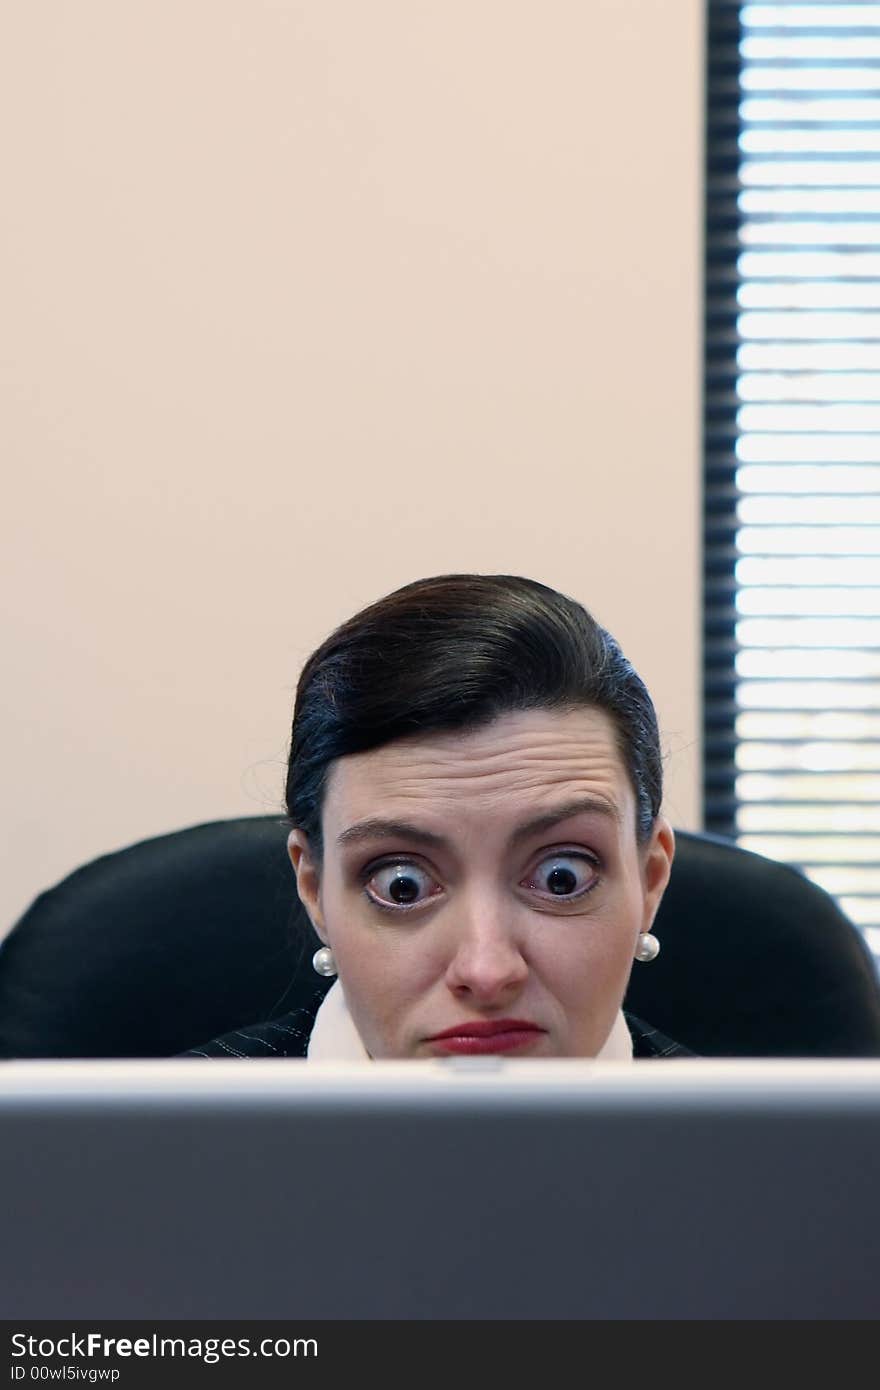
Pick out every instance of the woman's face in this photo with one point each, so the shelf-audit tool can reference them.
(486, 886)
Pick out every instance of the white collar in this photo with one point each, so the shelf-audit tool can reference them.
(334, 1037)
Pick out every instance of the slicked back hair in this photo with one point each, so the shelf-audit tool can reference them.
(455, 652)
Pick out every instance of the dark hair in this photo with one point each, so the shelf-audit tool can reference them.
(454, 652)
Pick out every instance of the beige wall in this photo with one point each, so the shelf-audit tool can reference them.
(304, 299)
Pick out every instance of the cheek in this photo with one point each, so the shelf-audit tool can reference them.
(387, 978)
(343, 907)
(597, 954)
(344, 930)
(628, 908)
(381, 964)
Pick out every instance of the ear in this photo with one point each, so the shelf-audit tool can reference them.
(657, 857)
(308, 878)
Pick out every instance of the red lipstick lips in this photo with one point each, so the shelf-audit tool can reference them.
(499, 1035)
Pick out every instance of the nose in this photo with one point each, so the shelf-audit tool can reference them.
(487, 966)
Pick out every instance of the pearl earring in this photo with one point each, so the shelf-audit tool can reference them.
(323, 961)
(648, 947)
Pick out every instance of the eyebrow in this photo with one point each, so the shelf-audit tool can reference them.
(378, 829)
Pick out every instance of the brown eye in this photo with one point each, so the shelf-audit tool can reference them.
(400, 885)
(562, 876)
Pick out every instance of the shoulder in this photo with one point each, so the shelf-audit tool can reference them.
(650, 1042)
(286, 1036)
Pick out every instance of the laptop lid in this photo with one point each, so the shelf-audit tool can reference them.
(461, 1188)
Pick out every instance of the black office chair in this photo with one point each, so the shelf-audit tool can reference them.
(159, 947)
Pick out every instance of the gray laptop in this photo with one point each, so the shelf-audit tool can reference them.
(464, 1188)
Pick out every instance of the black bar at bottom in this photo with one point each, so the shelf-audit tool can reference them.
(132, 1355)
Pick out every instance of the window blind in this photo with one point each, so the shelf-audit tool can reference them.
(792, 432)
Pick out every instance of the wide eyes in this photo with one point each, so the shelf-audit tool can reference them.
(400, 885)
(403, 884)
(562, 876)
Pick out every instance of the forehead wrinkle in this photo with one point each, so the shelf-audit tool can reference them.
(419, 776)
(520, 798)
(531, 747)
(411, 763)
(479, 771)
